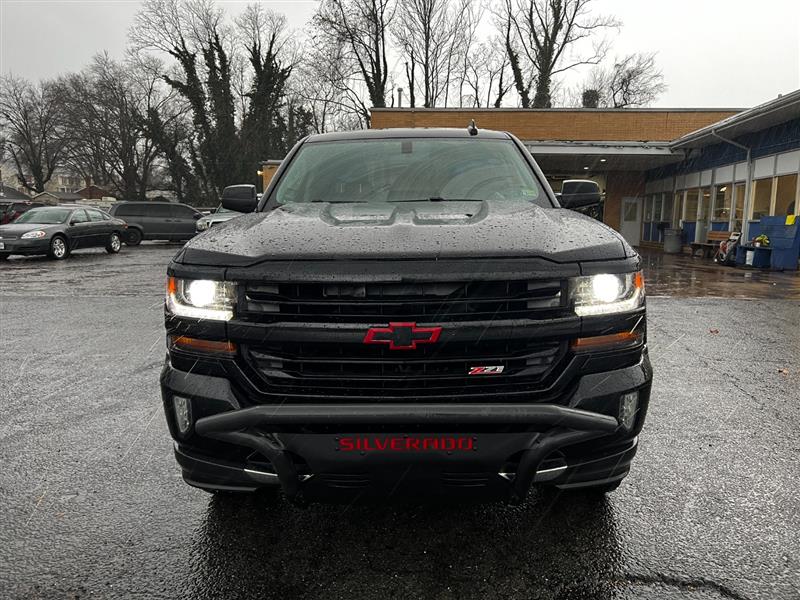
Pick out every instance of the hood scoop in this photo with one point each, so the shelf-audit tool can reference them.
(343, 214)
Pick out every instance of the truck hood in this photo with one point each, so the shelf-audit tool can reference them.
(419, 230)
(14, 230)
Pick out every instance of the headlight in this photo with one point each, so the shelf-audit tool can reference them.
(605, 294)
(32, 235)
(201, 298)
(202, 225)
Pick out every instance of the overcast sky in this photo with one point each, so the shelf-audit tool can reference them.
(714, 53)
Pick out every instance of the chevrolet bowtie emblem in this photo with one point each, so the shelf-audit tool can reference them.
(402, 336)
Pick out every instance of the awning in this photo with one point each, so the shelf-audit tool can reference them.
(777, 111)
(574, 157)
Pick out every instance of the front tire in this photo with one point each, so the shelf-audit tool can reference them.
(134, 237)
(114, 243)
(59, 249)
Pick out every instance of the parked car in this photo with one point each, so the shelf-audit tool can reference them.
(58, 230)
(157, 221)
(11, 210)
(220, 215)
(407, 311)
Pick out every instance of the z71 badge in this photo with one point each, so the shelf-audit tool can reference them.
(492, 370)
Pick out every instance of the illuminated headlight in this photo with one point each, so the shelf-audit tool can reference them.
(201, 298)
(605, 293)
(33, 235)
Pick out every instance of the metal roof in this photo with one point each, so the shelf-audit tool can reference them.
(61, 195)
(9, 193)
(781, 109)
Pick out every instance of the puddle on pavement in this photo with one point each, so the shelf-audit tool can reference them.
(683, 276)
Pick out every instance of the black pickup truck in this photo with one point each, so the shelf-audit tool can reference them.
(406, 312)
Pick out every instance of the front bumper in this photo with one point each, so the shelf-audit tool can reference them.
(574, 443)
(20, 246)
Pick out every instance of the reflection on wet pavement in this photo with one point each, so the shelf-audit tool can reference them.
(683, 276)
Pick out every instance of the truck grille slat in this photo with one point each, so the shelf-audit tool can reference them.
(442, 302)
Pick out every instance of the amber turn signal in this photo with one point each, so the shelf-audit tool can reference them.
(208, 346)
(612, 341)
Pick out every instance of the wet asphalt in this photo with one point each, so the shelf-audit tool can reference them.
(92, 503)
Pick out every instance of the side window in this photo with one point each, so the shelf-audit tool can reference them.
(79, 216)
(182, 212)
(158, 211)
(129, 210)
(95, 215)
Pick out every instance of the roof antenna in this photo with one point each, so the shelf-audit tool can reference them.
(472, 129)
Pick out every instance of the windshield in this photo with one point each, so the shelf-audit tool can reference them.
(44, 216)
(406, 170)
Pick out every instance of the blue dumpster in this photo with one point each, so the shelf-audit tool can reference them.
(784, 241)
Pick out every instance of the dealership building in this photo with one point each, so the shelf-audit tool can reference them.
(699, 170)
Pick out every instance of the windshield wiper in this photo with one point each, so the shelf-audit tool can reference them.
(436, 199)
(319, 201)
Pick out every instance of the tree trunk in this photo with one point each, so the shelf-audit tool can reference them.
(542, 97)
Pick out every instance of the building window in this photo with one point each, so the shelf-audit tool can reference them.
(678, 208)
(666, 215)
(705, 204)
(762, 195)
(648, 209)
(657, 203)
(722, 202)
(690, 211)
(786, 195)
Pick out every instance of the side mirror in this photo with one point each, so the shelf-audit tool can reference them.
(579, 193)
(240, 198)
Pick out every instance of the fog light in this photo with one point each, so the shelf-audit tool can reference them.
(628, 406)
(183, 414)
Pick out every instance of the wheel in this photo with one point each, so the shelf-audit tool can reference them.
(114, 243)
(59, 250)
(134, 237)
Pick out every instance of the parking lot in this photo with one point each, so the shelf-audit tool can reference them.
(93, 504)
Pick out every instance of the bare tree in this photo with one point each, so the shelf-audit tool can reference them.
(487, 77)
(193, 32)
(358, 29)
(546, 33)
(633, 80)
(522, 73)
(106, 110)
(265, 38)
(434, 37)
(31, 121)
(331, 87)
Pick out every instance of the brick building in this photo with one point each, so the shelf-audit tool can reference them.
(658, 167)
